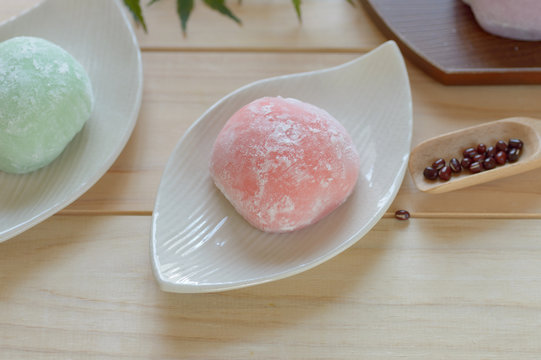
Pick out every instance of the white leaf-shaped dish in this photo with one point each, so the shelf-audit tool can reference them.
(98, 34)
(199, 243)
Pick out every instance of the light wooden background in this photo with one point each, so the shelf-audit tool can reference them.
(460, 280)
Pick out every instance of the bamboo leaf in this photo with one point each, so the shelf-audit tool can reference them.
(219, 5)
(184, 9)
(135, 8)
(297, 5)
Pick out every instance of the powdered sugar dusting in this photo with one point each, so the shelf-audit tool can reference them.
(45, 97)
(63, 68)
(284, 163)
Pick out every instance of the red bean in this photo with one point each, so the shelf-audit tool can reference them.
(501, 157)
(402, 214)
(430, 173)
(513, 155)
(466, 162)
(476, 167)
(489, 163)
(515, 143)
(438, 164)
(491, 151)
(455, 166)
(469, 152)
(445, 173)
(478, 158)
(501, 145)
(481, 148)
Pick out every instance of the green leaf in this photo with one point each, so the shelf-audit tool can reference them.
(135, 9)
(297, 4)
(219, 5)
(184, 9)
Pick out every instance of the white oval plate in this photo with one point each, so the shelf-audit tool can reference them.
(98, 34)
(199, 243)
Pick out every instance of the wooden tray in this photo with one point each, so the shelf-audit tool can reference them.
(444, 39)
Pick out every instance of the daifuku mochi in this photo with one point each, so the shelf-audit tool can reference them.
(284, 164)
(45, 99)
(513, 19)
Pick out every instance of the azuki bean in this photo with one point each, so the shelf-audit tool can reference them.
(478, 158)
(489, 163)
(469, 152)
(491, 151)
(402, 214)
(515, 143)
(501, 157)
(476, 167)
(455, 166)
(445, 173)
(466, 162)
(481, 148)
(513, 155)
(438, 164)
(430, 173)
(501, 145)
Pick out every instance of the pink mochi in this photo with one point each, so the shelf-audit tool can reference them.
(513, 19)
(284, 164)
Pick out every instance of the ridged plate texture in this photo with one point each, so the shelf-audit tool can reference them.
(200, 244)
(98, 34)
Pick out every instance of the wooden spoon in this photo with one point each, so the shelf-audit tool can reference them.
(451, 145)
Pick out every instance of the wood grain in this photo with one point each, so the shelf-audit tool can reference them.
(459, 280)
(420, 289)
(180, 86)
(267, 25)
(444, 39)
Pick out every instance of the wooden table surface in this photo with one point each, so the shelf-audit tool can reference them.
(460, 280)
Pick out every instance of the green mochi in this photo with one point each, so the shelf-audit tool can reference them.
(45, 99)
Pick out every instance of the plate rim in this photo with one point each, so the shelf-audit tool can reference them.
(393, 189)
(92, 179)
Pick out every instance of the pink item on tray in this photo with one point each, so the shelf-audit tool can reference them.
(513, 19)
(284, 164)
